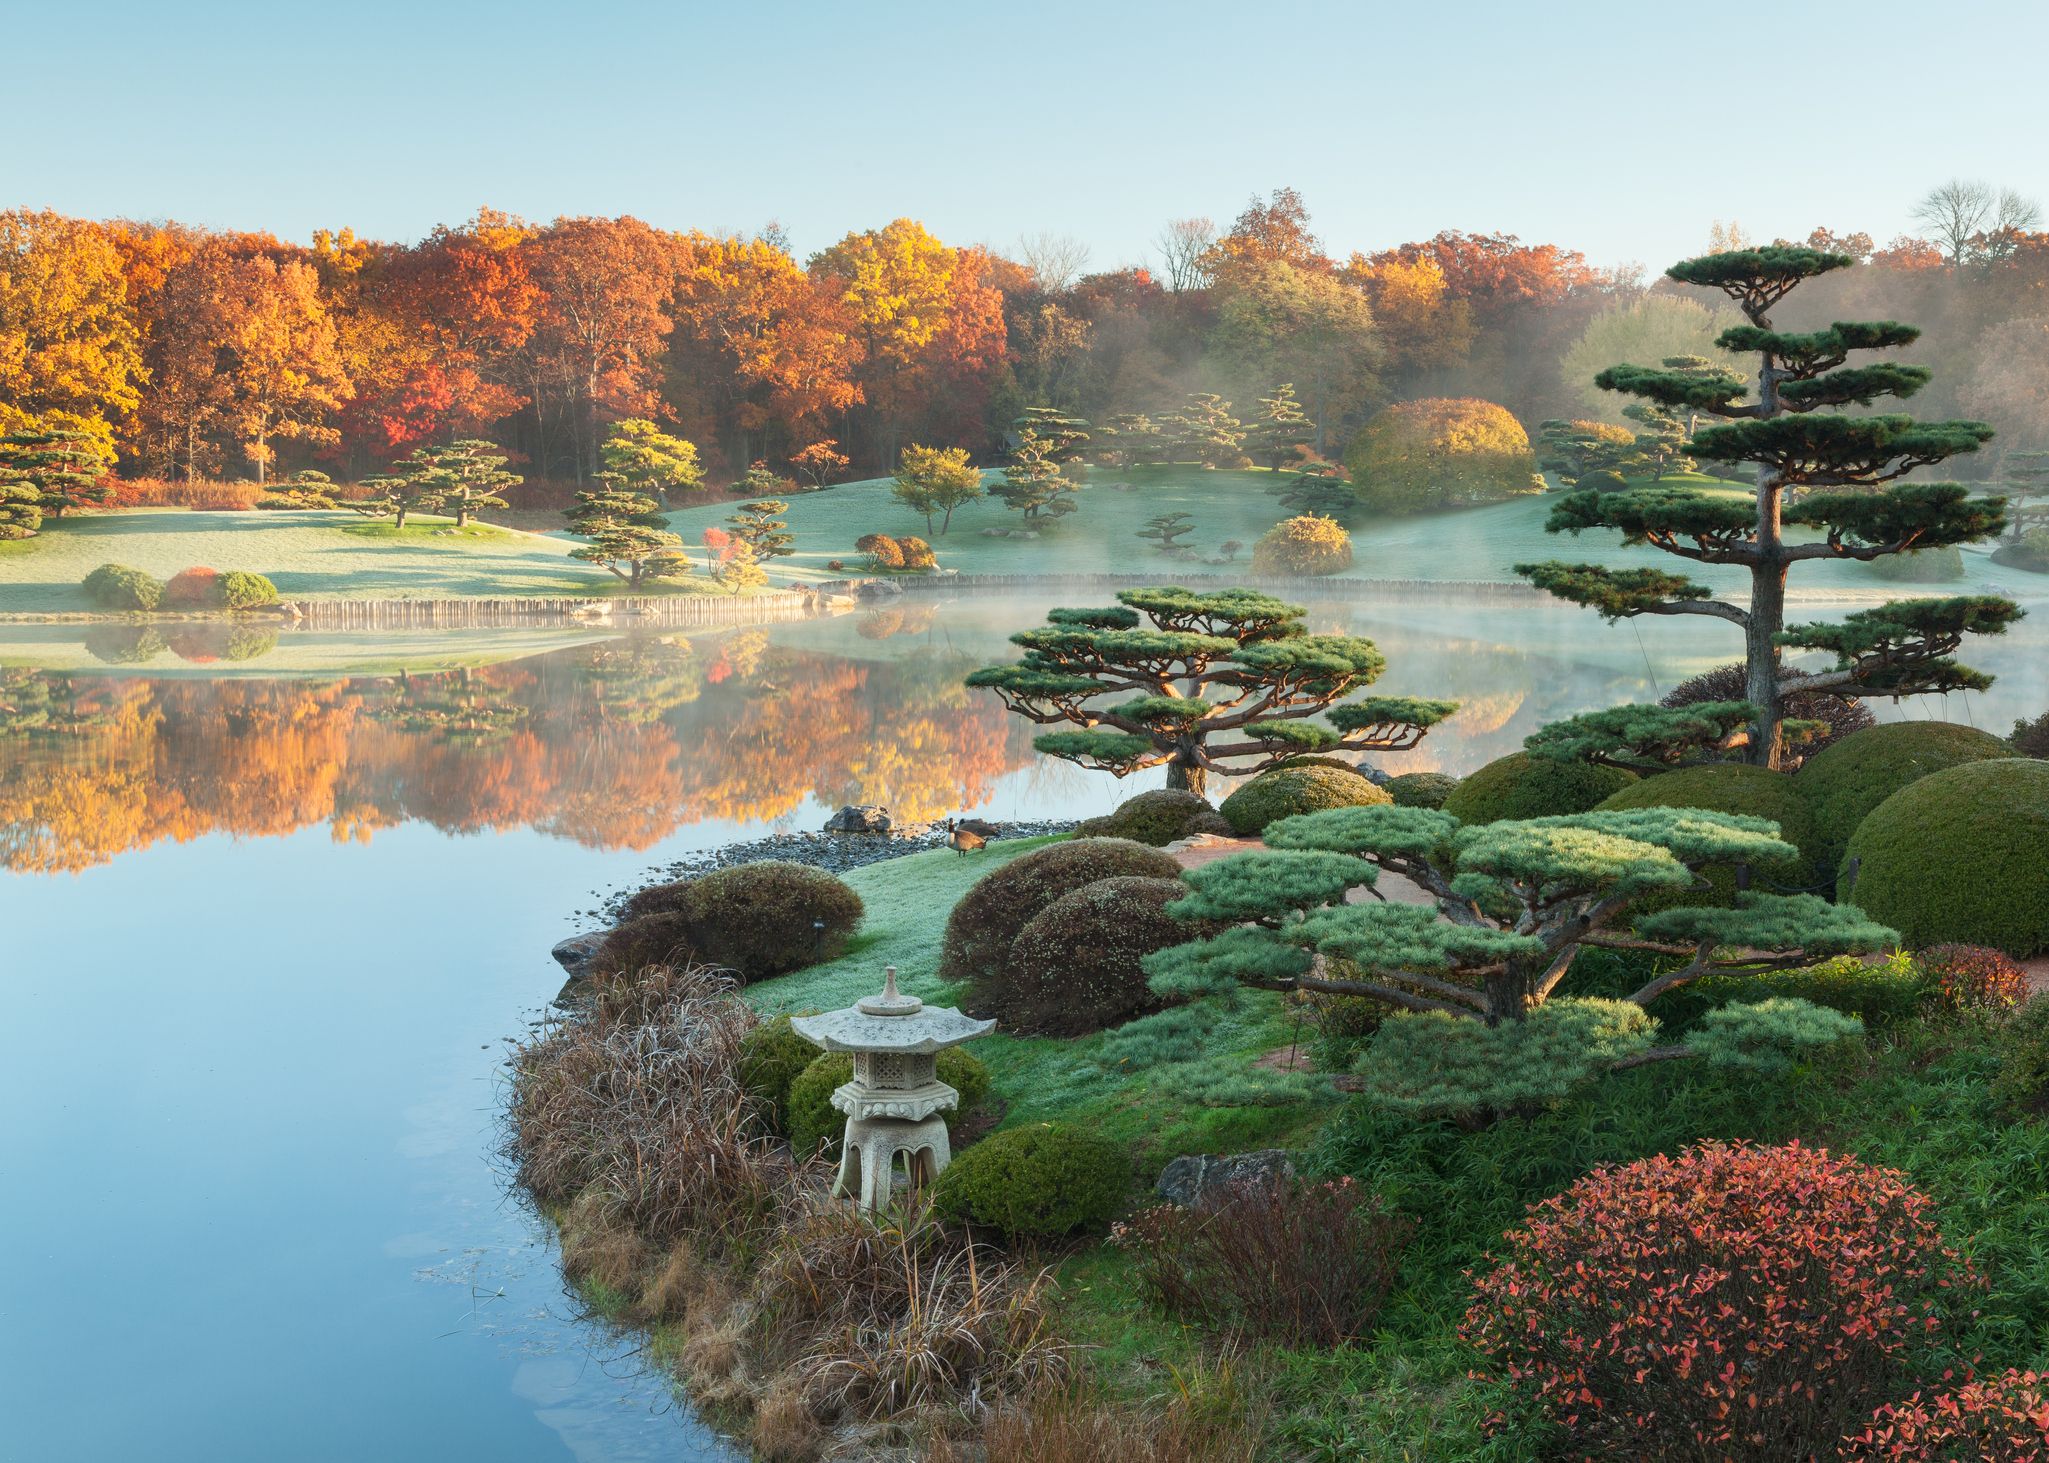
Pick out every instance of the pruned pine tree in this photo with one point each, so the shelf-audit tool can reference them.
(1223, 681)
(1280, 430)
(1165, 529)
(1569, 450)
(463, 477)
(1041, 477)
(1321, 492)
(1659, 445)
(55, 470)
(761, 527)
(641, 458)
(1129, 439)
(2027, 479)
(1204, 431)
(396, 496)
(627, 534)
(1063, 438)
(306, 488)
(1851, 504)
(1514, 902)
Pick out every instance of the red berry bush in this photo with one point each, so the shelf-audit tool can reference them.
(1727, 1303)
(1975, 978)
(2004, 1420)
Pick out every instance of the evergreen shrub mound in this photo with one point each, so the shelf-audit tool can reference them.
(2029, 552)
(2002, 1419)
(1159, 817)
(1522, 786)
(771, 1057)
(1287, 791)
(1037, 1182)
(755, 918)
(1440, 452)
(2031, 738)
(989, 917)
(1880, 993)
(1961, 857)
(1844, 782)
(814, 1124)
(2022, 1087)
(193, 589)
(1075, 967)
(1730, 788)
(1305, 545)
(1928, 566)
(240, 590)
(659, 938)
(1616, 1310)
(118, 587)
(1840, 716)
(1421, 789)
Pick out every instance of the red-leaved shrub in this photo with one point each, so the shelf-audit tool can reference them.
(1729, 1303)
(197, 588)
(2004, 1420)
(1975, 977)
(1285, 1260)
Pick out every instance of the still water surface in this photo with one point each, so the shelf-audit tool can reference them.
(267, 927)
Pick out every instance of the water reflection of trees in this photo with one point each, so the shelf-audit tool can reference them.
(613, 746)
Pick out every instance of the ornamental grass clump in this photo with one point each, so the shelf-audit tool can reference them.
(1724, 1303)
(1291, 1261)
(2002, 1419)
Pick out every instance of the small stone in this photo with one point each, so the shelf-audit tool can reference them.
(574, 954)
(1186, 1181)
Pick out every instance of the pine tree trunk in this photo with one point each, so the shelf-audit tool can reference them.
(1184, 778)
(1767, 596)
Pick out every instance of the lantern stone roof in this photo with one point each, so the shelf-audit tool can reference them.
(890, 1022)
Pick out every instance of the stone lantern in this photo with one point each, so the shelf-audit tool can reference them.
(895, 1099)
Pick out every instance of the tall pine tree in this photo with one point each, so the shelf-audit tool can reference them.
(1842, 473)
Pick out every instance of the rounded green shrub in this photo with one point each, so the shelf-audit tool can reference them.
(813, 1123)
(1158, 817)
(1421, 789)
(658, 938)
(1440, 452)
(1286, 791)
(1731, 787)
(1075, 967)
(1317, 759)
(986, 922)
(118, 587)
(241, 590)
(1961, 857)
(1846, 780)
(2022, 1086)
(1921, 566)
(771, 1057)
(1522, 786)
(1036, 1182)
(763, 919)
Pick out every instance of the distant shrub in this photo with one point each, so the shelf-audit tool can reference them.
(1440, 452)
(917, 553)
(1974, 979)
(240, 590)
(814, 1124)
(1286, 791)
(1421, 789)
(1725, 1302)
(124, 644)
(118, 587)
(1961, 857)
(2030, 552)
(1042, 1181)
(2022, 1087)
(768, 918)
(1162, 816)
(987, 920)
(195, 588)
(1522, 786)
(836, 565)
(1921, 566)
(1304, 545)
(2031, 738)
(1730, 787)
(1844, 782)
(1291, 1261)
(1604, 480)
(883, 551)
(1839, 715)
(1075, 967)
(771, 1057)
(2002, 1419)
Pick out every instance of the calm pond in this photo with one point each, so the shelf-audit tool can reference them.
(272, 906)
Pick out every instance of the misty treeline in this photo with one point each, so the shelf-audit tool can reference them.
(199, 353)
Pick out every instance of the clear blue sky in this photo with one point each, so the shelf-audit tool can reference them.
(1619, 129)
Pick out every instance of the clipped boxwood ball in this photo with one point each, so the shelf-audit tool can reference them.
(1074, 968)
(1155, 818)
(762, 919)
(1037, 1182)
(1961, 856)
(985, 923)
(814, 1124)
(771, 1057)
(1286, 791)
(1522, 786)
(1421, 789)
(1844, 781)
(1731, 787)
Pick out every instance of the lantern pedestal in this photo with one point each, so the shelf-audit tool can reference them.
(868, 1155)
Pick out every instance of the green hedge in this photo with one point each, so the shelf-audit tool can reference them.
(1287, 791)
(1731, 788)
(1846, 780)
(1961, 856)
(1036, 1182)
(241, 590)
(1522, 786)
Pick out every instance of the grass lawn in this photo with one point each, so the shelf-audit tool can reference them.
(311, 555)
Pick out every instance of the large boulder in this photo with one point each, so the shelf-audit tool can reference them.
(860, 820)
(1188, 1180)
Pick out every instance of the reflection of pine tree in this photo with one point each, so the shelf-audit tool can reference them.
(637, 680)
(461, 706)
(42, 704)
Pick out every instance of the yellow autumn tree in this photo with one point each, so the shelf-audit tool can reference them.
(895, 284)
(70, 353)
